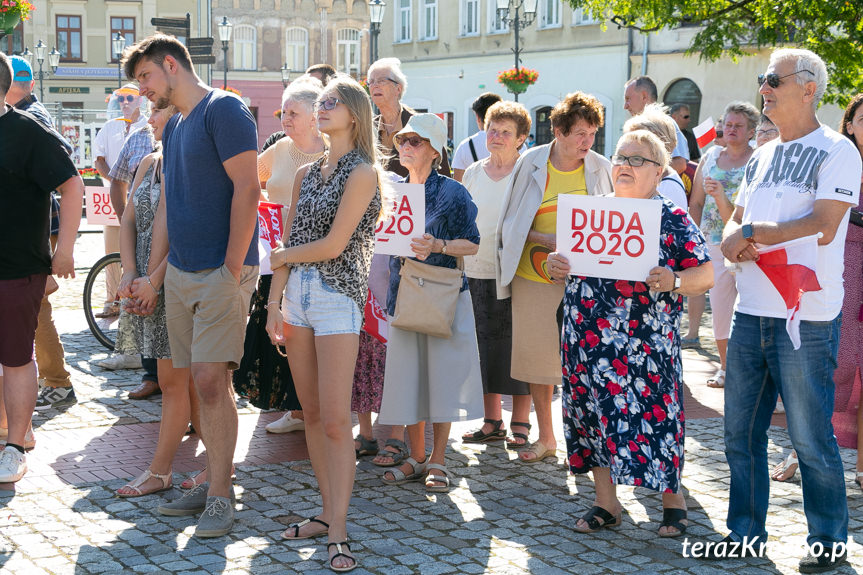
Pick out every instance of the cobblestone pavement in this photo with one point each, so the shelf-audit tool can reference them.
(500, 517)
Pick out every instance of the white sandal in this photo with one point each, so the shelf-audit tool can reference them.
(783, 468)
(400, 477)
(718, 379)
(432, 478)
(859, 479)
(167, 483)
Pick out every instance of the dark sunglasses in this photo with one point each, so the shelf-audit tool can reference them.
(414, 141)
(634, 161)
(686, 117)
(774, 80)
(719, 133)
(128, 98)
(327, 104)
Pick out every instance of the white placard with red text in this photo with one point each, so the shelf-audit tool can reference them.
(408, 220)
(100, 212)
(269, 233)
(607, 237)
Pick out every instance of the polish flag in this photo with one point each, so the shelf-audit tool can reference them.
(790, 267)
(269, 233)
(705, 132)
(376, 319)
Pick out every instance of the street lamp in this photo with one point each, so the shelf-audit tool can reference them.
(53, 62)
(225, 28)
(376, 15)
(517, 21)
(286, 75)
(119, 44)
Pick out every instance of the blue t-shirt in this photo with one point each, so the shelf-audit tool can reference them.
(197, 187)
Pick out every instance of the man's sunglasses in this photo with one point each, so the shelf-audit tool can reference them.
(774, 80)
(634, 161)
(128, 98)
(327, 104)
(414, 141)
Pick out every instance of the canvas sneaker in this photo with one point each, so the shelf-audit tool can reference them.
(121, 361)
(13, 465)
(286, 424)
(192, 503)
(217, 519)
(55, 397)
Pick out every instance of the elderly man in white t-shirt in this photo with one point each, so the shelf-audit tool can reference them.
(799, 185)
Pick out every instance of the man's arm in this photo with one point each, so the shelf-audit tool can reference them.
(71, 198)
(678, 164)
(119, 190)
(825, 218)
(102, 167)
(243, 171)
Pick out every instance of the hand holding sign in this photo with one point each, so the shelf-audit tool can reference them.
(394, 235)
(607, 237)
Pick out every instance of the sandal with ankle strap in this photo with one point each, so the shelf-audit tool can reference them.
(341, 553)
(394, 457)
(496, 434)
(431, 479)
(167, 483)
(515, 434)
(400, 477)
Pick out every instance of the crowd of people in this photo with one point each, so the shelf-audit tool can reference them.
(522, 320)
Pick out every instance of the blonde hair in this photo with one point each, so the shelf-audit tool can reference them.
(745, 109)
(654, 119)
(358, 103)
(655, 146)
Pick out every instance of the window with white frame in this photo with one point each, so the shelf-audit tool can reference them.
(428, 19)
(469, 17)
(348, 51)
(581, 17)
(403, 20)
(245, 46)
(496, 24)
(297, 49)
(549, 13)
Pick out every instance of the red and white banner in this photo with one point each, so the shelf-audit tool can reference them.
(100, 212)
(606, 237)
(705, 132)
(408, 220)
(790, 267)
(269, 233)
(376, 319)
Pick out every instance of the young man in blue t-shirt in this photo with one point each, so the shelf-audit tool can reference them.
(212, 192)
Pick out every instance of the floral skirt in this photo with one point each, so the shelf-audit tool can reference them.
(369, 375)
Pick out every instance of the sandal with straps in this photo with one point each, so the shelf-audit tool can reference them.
(859, 479)
(395, 457)
(400, 477)
(296, 527)
(167, 483)
(432, 479)
(194, 480)
(788, 465)
(593, 516)
(510, 442)
(368, 445)
(341, 553)
(673, 517)
(718, 379)
(496, 434)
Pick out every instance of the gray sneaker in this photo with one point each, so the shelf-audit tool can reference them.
(192, 503)
(217, 519)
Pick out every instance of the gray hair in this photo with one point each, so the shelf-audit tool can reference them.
(745, 109)
(393, 66)
(305, 90)
(816, 70)
(645, 84)
(656, 148)
(677, 107)
(654, 119)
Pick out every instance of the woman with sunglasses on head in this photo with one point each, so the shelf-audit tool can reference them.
(622, 373)
(427, 378)
(323, 270)
(714, 191)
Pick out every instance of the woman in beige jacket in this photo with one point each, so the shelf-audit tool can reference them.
(526, 235)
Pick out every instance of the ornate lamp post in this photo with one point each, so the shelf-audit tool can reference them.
(286, 75)
(225, 29)
(523, 14)
(376, 15)
(118, 43)
(53, 62)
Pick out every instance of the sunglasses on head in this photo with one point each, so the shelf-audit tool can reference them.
(774, 80)
(415, 141)
(634, 161)
(327, 104)
(127, 98)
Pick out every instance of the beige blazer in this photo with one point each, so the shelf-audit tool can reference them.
(522, 200)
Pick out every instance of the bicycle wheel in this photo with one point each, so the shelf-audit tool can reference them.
(101, 281)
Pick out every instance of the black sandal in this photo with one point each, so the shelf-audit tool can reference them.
(593, 516)
(296, 528)
(340, 553)
(512, 444)
(673, 518)
(368, 445)
(478, 436)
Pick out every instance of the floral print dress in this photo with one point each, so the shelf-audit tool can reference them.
(622, 373)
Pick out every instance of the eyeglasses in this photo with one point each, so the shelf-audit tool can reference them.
(128, 98)
(327, 104)
(375, 82)
(766, 132)
(634, 161)
(774, 80)
(414, 141)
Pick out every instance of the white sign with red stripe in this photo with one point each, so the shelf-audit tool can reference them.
(100, 212)
(407, 220)
(269, 233)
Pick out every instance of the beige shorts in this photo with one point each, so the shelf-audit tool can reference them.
(206, 313)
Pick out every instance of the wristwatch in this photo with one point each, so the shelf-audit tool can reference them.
(676, 282)
(443, 249)
(748, 233)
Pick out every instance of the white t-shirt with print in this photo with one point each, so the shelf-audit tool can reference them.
(783, 180)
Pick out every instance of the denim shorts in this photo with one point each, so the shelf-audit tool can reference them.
(311, 303)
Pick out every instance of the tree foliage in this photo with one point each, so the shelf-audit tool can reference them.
(833, 29)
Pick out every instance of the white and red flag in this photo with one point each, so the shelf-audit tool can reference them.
(790, 267)
(269, 233)
(376, 319)
(705, 132)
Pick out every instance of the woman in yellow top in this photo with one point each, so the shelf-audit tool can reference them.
(526, 235)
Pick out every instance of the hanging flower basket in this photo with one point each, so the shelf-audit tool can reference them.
(518, 80)
(12, 12)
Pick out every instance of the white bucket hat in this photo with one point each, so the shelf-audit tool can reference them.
(428, 126)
